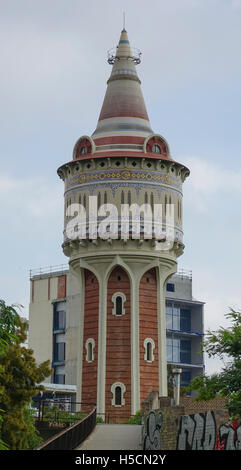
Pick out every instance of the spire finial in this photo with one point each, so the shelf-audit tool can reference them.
(124, 21)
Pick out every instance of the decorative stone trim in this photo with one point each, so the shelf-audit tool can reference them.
(88, 342)
(145, 344)
(123, 390)
(113, 299)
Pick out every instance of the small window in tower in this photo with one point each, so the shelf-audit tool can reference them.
(99, 200)
(105, 198)
(156, 149)
(146, 198)
(118, 394)
(118, 307)
(89, 346)
(129, 198)
(149, 165)
(117, 163)
(83, 151)
(118, 300)
(134, 163)
(118, 389)
(122, 197)
(148, 352)
(149, 346)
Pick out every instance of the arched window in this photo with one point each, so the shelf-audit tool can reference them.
(148, 351)
(118, 307)
(105, 198)
(118, 389)
(156, 149)
(149, 346)
(152, 202)
(146, 198)
(118, 394)
(89, 346)
(118, 300)
(99, 200)
(83, 151)
(129, 198)
(122, 197)
(165, 206)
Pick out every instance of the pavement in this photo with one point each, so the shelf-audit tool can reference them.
(113, 437)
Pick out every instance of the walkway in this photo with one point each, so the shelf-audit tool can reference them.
(113, 437)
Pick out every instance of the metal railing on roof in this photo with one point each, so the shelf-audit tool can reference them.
(62, 268)
(187, 273)
(48, 270)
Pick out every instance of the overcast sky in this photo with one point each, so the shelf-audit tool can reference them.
(52, 83)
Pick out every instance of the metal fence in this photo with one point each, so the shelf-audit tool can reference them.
(73, 436)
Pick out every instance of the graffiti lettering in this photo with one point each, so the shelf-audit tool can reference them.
(197, 432)
(230, 436)
(152, 440)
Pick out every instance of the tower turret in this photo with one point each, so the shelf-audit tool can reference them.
(122, 271)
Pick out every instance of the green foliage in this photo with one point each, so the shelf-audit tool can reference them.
(223, 343)
(19, 376)
(137, 419)
(99, 420)
(9, 319)
(54, 413)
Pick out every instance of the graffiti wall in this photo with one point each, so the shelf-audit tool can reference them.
(166, 430)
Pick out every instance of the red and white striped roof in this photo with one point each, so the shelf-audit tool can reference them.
(123, 122)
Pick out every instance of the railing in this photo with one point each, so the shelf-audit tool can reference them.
(184, 273)
(61, 269)
(72, 437)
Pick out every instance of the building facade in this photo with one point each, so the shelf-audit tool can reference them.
(113, 346)
(54, 313)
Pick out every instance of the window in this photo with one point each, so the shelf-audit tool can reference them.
(185, 319)
(149, 346)
(129, 198)
(118, 300)
(118, 389)
(118, 396)
(156, 149)
(178, 351)
(59, 316)
(59, 375)
(83, 151)
(178, 318)
(89, 346)
(59, 348)
(170, 287)
(118, 309)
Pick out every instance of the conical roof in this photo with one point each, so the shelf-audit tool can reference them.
(123, 122)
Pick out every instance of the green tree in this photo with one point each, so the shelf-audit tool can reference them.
(224, 343)
(19, 379)
(8, 323)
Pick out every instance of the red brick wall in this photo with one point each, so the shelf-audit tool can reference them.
(148, 329)
(61, 286)
(91, 318)
(118, 347)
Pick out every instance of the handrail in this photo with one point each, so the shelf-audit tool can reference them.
(72, 437)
